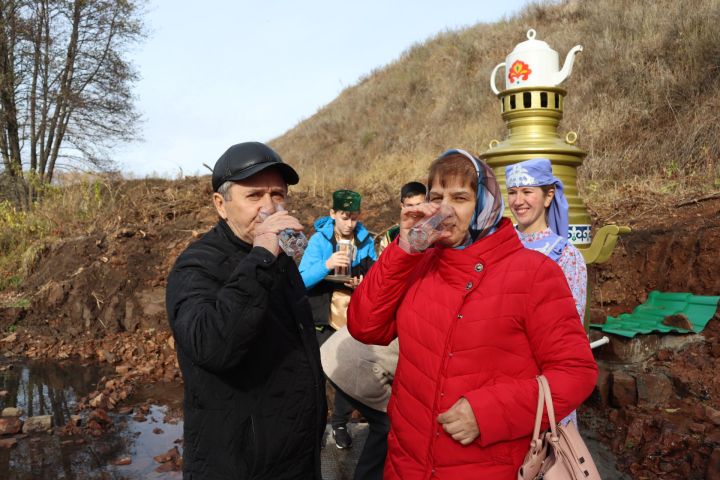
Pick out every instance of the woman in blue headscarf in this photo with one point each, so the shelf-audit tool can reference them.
(537, 201)
(477, 317)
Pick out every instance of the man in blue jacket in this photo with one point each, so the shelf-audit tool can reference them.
(328, 298)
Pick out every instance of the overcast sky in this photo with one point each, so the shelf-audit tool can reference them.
(220, 72)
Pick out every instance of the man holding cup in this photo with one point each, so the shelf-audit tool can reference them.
(337, 257)
(254, 403)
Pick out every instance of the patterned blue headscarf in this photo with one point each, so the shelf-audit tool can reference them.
(489, 207)
(535, 173)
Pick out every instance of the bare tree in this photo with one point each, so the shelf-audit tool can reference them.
(65, 85)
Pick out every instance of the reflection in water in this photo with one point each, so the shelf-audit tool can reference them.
(142, 444)
(47, 388)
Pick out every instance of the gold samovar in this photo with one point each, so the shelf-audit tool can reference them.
(531, 104)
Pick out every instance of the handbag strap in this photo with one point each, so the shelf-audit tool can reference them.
(539, 412)
(545, 389)
(544, 394)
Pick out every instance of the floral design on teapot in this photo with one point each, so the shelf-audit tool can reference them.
(545, 72)
(519, 70)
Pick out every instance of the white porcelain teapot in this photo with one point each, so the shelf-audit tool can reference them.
(533, 63)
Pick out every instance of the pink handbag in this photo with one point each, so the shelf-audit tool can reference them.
(559, 454)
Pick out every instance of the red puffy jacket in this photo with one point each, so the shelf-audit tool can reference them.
(478, 323)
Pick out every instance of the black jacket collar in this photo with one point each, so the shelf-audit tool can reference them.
(225, 230)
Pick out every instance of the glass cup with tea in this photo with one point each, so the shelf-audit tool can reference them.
(348, 248)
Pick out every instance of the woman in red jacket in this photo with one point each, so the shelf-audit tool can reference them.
(478, 317)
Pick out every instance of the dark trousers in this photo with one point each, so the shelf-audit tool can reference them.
(372, 458)
(342, 409)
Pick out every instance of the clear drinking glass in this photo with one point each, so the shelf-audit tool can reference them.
(347, 247)
(291, 242)
(426, 231)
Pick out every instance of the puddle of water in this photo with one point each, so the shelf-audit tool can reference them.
(47, 388)
(51, 388)
(169, 394)
(142, 443)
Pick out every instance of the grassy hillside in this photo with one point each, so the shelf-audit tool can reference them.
(643, 97)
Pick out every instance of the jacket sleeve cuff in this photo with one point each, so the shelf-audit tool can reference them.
(262, 263)
(398, 254)
(491, 430)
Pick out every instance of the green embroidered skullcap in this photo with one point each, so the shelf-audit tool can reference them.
(346, 201)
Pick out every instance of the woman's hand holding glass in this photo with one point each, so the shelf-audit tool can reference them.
(423, 225)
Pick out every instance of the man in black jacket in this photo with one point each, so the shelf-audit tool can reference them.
(254, 390)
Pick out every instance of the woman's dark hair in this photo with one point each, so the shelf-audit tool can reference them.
(450, 167)
(411, 189)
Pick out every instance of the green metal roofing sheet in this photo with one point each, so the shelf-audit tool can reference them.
(649, 316)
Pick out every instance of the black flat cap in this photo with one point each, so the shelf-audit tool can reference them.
(245, 160)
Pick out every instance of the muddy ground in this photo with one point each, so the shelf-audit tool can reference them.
(101, 297)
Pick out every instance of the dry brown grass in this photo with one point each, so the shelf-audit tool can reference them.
(643, 97)
(87, 204)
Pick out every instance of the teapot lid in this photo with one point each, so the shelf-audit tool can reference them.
(531, 44)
